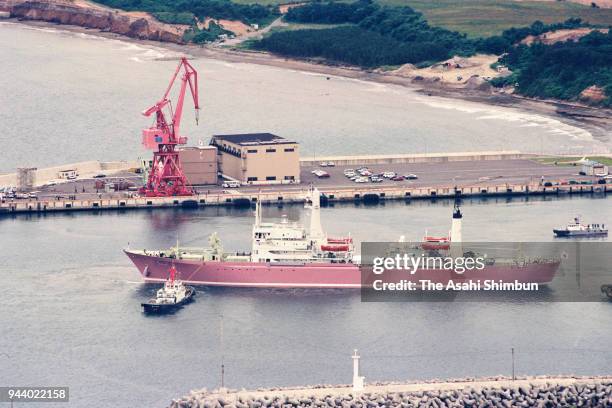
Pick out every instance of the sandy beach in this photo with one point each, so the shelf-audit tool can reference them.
(598, 121)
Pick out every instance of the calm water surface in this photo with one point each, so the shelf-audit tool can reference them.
(72, 313)
(72, 97)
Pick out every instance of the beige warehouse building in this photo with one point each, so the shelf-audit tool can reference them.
(199, 164)
(258, 158)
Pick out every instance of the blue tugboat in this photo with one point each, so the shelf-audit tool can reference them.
(577, 229)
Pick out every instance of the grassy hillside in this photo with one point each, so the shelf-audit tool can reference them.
(483, 18)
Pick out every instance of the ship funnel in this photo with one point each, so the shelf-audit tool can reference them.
(316, 231)
(455, 234)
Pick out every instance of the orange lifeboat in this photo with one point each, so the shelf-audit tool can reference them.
(335, 248)
(339, 240)
(435, 243)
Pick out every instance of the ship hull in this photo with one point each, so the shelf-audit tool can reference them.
(318, 275)
(583, 234)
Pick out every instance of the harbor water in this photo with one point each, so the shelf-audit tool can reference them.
(73, 315)
(70, 97)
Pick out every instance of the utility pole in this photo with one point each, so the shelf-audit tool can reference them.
(222, 356)
(513, 376)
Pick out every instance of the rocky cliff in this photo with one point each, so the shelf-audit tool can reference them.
(85, 14)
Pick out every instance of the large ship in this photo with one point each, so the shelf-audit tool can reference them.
(288, 255)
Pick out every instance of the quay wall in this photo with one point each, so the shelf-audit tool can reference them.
(541, 391)
(281, 195)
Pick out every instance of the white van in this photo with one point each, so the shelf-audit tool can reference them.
(231, 184)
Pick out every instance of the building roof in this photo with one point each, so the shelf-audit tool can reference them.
(250, 139)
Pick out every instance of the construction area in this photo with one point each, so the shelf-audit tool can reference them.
(238, 169)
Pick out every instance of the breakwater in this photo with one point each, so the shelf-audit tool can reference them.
(541, 391)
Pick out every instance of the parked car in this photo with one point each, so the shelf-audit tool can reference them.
(323, 164)
(548, 184)
(411, 177)
(397, 178)
(231, 184)
(361, 180)
(389, 174)
(351, 174)
(375, 179)
(331, 164)
(321, 174)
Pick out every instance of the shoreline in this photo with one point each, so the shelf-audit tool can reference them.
(597, 121)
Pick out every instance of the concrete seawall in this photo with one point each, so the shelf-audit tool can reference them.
(238, 198)
(416, 158)
(489, 392)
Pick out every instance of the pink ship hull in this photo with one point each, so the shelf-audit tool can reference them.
(316, 275)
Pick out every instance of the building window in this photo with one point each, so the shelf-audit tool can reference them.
(271, 178)
(289, 177)
(290, 149)
(252, 151)
(252, 179)
(270, 150)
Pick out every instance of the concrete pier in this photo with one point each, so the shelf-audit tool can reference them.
(449, 176)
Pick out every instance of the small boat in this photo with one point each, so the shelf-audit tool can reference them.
(577, 229)
(607, 290)
(173, 295)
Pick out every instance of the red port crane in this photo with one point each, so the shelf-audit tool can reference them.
(166, 177)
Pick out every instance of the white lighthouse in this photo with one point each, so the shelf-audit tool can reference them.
(456, 247)
(358, 381)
